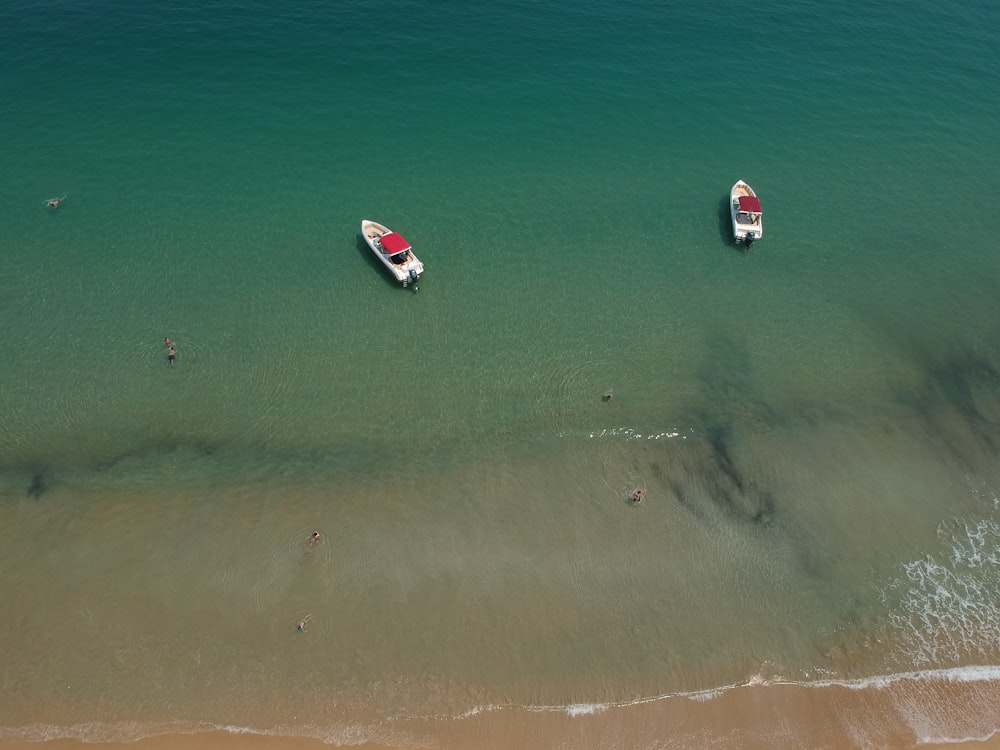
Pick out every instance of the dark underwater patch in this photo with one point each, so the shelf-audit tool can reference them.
(966, 381)
(727, 483)
(723, 460)
(57, 466)
(38, 486)
(730, 404)
(959, 402)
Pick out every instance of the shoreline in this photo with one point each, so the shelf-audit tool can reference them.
(958, 709)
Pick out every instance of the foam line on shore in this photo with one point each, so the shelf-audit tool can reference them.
(123, 732)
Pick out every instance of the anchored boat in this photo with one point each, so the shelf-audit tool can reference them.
(745, 208)
(395, 253)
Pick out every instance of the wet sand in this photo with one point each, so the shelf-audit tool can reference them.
(907, 712)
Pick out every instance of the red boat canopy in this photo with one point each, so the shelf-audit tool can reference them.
(749, 203)
(394, 243)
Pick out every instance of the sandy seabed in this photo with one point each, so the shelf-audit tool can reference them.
(906, 712)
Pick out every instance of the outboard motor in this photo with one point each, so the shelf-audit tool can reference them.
(748, 240)
(413, 278)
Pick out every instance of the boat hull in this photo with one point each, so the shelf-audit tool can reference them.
(402, 263)
(748, 225)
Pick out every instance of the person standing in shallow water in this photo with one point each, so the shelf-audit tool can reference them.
(171, 355)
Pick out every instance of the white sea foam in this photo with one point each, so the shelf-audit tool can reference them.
(630, 433)
(707, 695)
(971, 674)
(949, 610)
(985, 673)
(584, 709)
(952, 740)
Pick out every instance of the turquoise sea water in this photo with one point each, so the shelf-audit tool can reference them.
(814, 422)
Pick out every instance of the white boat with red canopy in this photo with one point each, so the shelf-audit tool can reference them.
(745, 208)
(395, 253)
